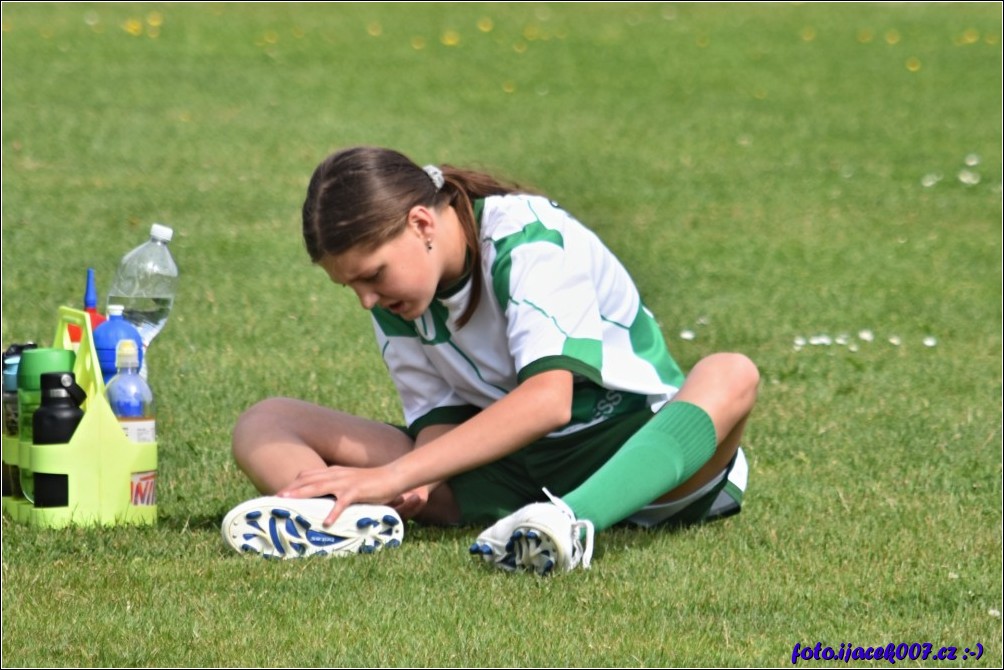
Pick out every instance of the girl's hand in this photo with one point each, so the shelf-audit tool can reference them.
(410, 503)
(347, 485)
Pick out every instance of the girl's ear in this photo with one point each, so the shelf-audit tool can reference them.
(422, 221)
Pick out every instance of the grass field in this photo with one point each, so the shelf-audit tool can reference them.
(776, 176)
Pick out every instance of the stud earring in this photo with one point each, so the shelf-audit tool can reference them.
(428, 245)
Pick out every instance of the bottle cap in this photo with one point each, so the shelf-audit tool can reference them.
(107, 337)
(161, 232)
(36, 362)
(10, 364)
(62, 385)
(126, 354)
(90, 290)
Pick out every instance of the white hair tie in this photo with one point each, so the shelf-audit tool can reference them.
(436, 175)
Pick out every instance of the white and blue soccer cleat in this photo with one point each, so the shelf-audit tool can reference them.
(276, 527)
(542, 537)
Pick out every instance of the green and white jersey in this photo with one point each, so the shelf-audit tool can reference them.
(553, 297)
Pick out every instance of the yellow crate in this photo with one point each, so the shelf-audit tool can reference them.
(111, 479)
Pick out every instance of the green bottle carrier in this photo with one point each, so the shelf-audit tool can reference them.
(111, 480)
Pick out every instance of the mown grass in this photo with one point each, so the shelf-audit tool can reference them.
(760, 169)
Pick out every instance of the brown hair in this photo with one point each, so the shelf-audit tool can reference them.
(360, 197)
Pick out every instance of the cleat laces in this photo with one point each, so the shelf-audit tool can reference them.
(582, 552)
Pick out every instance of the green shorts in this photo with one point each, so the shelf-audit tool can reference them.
(560, 464)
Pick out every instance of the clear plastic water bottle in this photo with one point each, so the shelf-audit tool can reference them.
(145, 285)
(130, 396)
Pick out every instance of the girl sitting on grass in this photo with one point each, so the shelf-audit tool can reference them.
(538, 392)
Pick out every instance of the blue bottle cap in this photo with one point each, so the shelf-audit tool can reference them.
(91, 292)
(10, 364)
(108, 335)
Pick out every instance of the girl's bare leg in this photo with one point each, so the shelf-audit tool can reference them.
(724, 386)
(278, 438)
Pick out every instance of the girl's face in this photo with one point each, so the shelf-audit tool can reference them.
(401, 275)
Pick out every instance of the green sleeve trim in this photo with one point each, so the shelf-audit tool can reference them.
(453, 415)
(573, 365)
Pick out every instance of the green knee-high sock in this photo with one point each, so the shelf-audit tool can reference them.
(663, 454)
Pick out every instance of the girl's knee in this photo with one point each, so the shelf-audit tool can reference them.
(738, 367)
(746, 372)
(733, 374)
(253, 423)
(746, 377)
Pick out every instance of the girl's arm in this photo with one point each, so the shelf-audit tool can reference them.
(538, 406)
